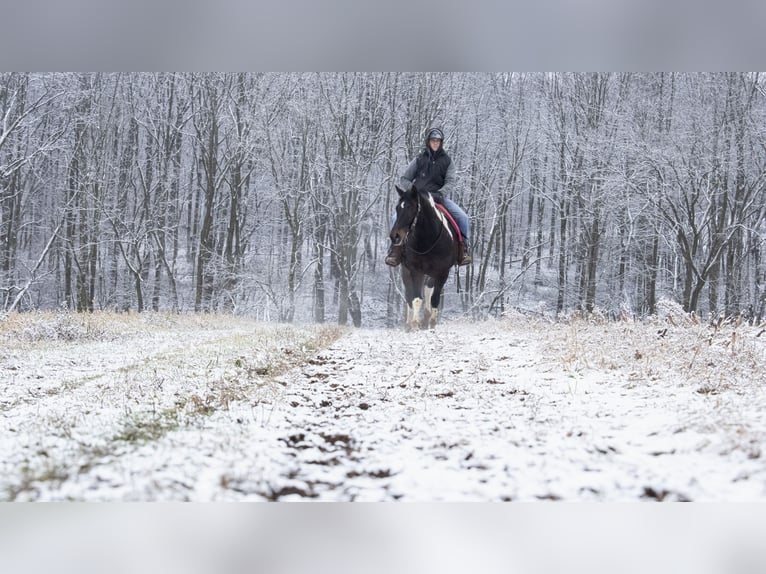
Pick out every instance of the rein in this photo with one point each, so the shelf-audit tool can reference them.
(412, 225)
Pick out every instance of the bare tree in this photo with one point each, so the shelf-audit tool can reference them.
(351, 144)
(273, 193)
(27, 135)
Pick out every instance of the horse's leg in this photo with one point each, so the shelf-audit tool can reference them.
(413, 293)
(413, 314)
(433, 294)
(429, 320)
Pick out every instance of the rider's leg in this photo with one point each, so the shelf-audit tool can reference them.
(461, 218)
(464, 223)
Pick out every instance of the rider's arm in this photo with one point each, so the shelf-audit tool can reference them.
(450, 178)
(405, 182)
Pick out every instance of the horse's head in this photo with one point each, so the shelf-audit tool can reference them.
(406, 211)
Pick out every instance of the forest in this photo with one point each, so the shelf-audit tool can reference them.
(271, 194)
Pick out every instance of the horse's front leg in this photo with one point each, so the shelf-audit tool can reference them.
(433, 292)
(431, 312)
(413, 314)
(413, 293)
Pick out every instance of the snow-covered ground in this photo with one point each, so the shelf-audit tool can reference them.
(163, 407)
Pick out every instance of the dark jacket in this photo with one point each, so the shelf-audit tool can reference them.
(430, 171)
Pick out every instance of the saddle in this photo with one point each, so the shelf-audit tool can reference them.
(460, 243)
(452, 222)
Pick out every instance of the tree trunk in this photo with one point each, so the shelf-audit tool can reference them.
(593, 248)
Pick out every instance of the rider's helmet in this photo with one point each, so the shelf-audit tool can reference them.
(435, 134)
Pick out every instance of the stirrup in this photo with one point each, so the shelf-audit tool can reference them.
(463, 257)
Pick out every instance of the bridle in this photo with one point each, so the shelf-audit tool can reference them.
(410, 228)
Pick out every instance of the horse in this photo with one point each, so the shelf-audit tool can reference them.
(430, 249)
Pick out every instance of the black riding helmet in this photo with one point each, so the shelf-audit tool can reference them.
(435, 134)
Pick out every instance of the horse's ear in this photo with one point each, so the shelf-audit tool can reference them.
(399, 190)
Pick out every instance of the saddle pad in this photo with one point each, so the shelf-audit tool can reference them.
(452, 221)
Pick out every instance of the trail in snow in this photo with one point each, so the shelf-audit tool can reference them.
(490, 411)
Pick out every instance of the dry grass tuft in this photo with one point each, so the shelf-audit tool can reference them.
(674, 345)
(69, 326)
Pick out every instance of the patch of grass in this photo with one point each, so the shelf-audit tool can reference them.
(721, 356)
(226, 377)
(158, 393)
(31, 477)
(147, 428)
(65, 325)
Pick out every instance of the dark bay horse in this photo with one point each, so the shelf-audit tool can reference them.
(430, 249)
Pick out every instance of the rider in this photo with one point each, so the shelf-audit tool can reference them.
(434, 171)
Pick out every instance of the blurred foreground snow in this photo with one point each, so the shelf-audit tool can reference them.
(192, 409)
(223, 409)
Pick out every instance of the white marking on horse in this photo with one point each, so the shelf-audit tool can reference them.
(428, 292)
(413, 312)
(441, 215)
(431, 312)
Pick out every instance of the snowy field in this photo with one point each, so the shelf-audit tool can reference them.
(212, 408)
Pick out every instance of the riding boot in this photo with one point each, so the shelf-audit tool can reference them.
(394, 256)
(463, 257)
